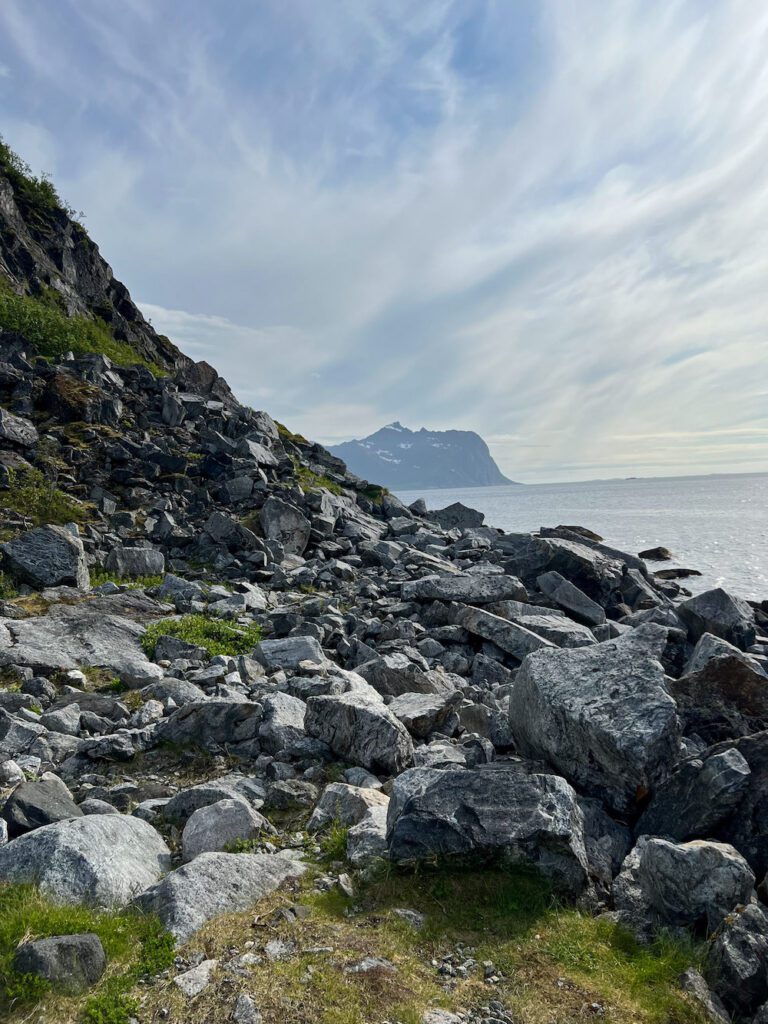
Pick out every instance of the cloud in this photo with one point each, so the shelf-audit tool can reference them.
(540, 221)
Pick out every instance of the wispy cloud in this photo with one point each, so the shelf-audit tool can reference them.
(541, 221)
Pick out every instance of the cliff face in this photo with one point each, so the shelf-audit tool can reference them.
(408, 460)
(42, 248)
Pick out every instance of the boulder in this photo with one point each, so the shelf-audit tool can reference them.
(700, 793)
(456, 516)
(737, 962)
(423, 713)
(282, 725)
(48, 556)
(359, 730)
(289, 652)
(488, 813)
(367, 841)
(724, 699)
(720, 613)
(286, 524)
(216, 826)
(517, 640)
(600, 715)
(709, 646)
(394, 674)
(35, 804)
(570, 598)
(213, 884)
(17, 430)
(551, 625)
(71, 963)
(100, 859)
(229, 787)
(215, 724)
(682, 884)
(344, 805)
(465, 588)
(133, 562)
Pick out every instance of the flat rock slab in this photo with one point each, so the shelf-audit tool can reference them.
(213, 884)
(47, 557)
(100, 859)
(516, 640)
(466, 588)
(102, 632)
(361, 731)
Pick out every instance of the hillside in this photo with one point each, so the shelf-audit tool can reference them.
(410, 460)
(276, 747)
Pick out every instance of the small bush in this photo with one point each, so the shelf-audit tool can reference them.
(37, 192)
(333, 842)
(53, 333)
(213, 635)
(31, 495)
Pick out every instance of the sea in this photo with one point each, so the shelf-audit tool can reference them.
(717, 524)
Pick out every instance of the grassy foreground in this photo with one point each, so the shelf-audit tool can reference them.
(557, 965)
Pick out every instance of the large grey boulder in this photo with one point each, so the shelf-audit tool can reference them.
(517, 640)
(35, 804)
(286, 524)
(215, 724)
(555, 627)
(600, 715)
(720, 613)
(598, 574)
(282, 725)
(360, 730)
(466, 588)
(682, 884)
(456, 516)
(344, 805)
(725, 698)
(700, 793)
(486, 813)
(423, 713)
(709, 646)
(395, 673)
(289, 652)
(570, 598)
(133, 562)
(216, 826)
(48, 556)
(737, 962)
(213, 884)
(102, 632)
(17, 429)
(71, 963)
(228, 787)
(367, 840)
(100, 859)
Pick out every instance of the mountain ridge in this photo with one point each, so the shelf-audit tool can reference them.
(404, 459)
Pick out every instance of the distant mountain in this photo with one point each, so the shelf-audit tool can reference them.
(408, 460)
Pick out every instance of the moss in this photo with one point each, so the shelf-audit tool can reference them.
(53, 333)
(288, 435)
(213, 635)
(32, 495)
(135, 944)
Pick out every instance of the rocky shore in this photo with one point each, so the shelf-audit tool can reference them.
(222, 656)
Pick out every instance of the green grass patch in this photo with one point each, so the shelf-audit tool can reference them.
(333, 841)
(100, 576)
(288, 435)
(374, 493)
(8, 590)
(39, 193)
(53, 333)
(311, 481)
(135, 944)
(32, 495)
(214, 635)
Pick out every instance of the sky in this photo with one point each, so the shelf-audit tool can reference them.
(540, 220)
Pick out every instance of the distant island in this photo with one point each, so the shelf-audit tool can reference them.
(407, 460)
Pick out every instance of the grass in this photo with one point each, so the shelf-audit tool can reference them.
(374, 493)
(333, 841)
(38, 193)
(135, 945)
(288, 435)
(555, 960)
(100, 576)
(8, 590)
(215, 636)
(31, 495)
(53, 333)
(311, 481)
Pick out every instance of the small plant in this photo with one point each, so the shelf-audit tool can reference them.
(7, 589)
(311, 481)
(213, 635)
(100, 576)
(30, 494)
(333, 842)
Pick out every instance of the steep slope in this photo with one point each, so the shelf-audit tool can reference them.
(409, 460)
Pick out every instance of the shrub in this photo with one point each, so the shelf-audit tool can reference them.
(53, 333)
(37, 192)
(213, 635)
(32, 495)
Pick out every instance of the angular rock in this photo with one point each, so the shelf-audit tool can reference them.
(395, 674)
(229, 787)
(456, 516)
(100, 859)
(345, 805)
(711, 1005)
(17, 429)
(720, 613)
(600, 715)
(71, 963)
(359, 730)
(367, 840)
(216, 826)
(516, 640)
(282, 725)
(196, 979)
(214, 724)
(726, 698)
(48, 556)
(286, 524)
(423, 713)
(35, 804)
(709, 646)
(570, 598)
(213, 884)
(289, 652)
(486, 813)
(133, 562)
(737, 962)
(465, 588)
